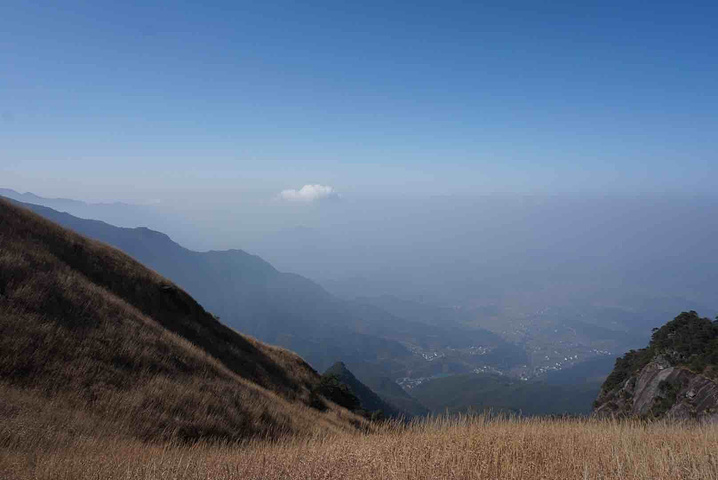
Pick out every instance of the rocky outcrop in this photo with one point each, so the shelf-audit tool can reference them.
(662, 390)
(674, 376)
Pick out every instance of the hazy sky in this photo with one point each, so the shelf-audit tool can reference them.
(127, 100)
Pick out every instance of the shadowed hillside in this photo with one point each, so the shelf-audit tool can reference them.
(92, 342)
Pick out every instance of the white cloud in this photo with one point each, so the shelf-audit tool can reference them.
(309, 193)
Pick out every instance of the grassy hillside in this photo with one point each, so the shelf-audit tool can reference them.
(93, 343)
(466, 448)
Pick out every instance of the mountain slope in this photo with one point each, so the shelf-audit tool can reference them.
(86, 329)
(674, 376)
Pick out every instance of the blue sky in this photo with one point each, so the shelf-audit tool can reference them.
(100, 100)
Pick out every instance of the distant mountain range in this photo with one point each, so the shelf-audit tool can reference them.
(120, 214)
(57, 203)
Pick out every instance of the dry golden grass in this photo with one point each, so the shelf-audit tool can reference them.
(478, 448)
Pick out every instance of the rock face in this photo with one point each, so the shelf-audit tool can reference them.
(660, 390)
(674, 376)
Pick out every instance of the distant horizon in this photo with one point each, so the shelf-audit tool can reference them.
(269, 196)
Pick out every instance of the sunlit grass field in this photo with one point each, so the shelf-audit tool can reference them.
(480, 447)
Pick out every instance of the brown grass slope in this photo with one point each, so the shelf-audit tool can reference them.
(92, 343)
